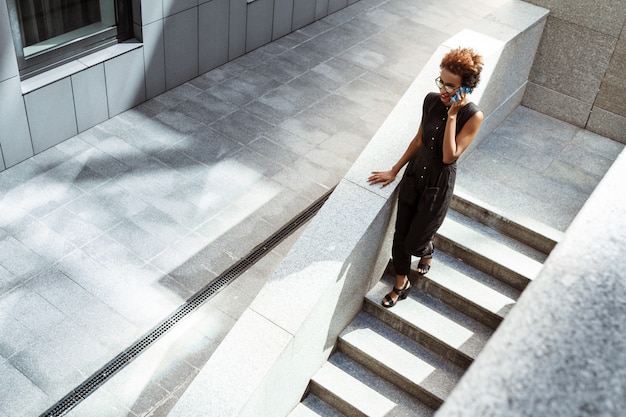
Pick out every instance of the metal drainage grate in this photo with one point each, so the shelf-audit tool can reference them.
(124, 358)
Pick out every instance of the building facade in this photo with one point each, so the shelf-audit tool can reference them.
(59, 77)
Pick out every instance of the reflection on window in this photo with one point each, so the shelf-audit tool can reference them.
(47, 24)
(50, 33)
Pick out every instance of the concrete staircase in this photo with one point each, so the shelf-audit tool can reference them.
(405, 361)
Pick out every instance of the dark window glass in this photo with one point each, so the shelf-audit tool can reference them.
(51, 32)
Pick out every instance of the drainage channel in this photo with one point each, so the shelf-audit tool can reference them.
(81, 392)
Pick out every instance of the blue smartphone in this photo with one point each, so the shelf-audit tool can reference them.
(465, 90)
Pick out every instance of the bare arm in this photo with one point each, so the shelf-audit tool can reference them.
(387, 177)
(453, 144)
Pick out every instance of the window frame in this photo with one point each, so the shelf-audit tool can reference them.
(75, 49)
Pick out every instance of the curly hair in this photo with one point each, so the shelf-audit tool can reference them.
(465, 62)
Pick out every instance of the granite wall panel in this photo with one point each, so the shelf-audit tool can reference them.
(607, 124)
(303, 13)
(149, 11)
(14, 134)
(51, 125)
(125, 80)
(260, 15)
(336, 5)
(555, 104)
(213, 34)
(572, 59)
(604, 16)
(154, 58)
(613, 87)
(237, 29)
(283, 12)
(8, 62)
(580, 65)
(180, 37)
(321, 9)
(171, 7)
(90, 97)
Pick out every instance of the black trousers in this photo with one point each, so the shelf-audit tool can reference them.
(416, 225)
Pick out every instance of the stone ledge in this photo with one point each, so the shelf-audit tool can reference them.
(49, 77)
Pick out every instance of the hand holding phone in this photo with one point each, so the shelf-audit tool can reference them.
(463, 89)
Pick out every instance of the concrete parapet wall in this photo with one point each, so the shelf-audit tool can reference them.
(264, 364)
(561, 350)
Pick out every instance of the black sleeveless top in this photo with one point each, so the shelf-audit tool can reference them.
(426, 168)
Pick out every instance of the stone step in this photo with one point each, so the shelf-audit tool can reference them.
(460, 291)
(312, 406)
(528, 231)
(475, 293)
(486, 254)
(399, 359)
(354, 390)
(430, 322)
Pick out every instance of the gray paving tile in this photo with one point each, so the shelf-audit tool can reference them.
(116, 256)
(517, 151)
(281, 69)
(93, 210)
(15, 336)
(73, 348)
(242, 126)
(101, 163)
(243, 237)
(566, 173)
(106, 326)
(597, 144)
(19, 396)
(226, 93)
(117, 200)
(169, 125)
(71, 227)
(293, 180)
(282, 208)
(102, 404)
(30, 309)
(205, 109)
(338, 72)
(589, 162)
(18, 259)
(60, 291)
(159, 224)
(143, 244)
(256, 162)
(42, 195)
(88, 273)
(273, 151)
(305, 90)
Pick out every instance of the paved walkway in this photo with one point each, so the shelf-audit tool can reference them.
(108, 233)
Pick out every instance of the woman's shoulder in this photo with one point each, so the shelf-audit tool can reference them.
(431, 98)
(430, 101)
(471, 108)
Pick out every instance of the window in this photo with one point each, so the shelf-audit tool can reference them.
(49, 33)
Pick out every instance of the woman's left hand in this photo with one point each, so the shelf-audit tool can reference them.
(458, 100)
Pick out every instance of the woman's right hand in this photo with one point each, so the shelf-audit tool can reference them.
(386, 177)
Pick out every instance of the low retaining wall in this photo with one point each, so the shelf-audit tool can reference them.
(264, 364)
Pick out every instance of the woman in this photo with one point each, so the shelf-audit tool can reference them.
(448, 126)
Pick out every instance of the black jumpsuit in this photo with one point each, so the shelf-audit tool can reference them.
(427, 186)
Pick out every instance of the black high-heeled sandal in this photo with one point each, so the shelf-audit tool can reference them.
(402, 293)
(425, 267)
